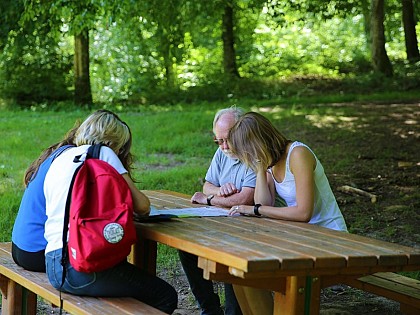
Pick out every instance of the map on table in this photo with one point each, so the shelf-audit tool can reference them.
(192, 212)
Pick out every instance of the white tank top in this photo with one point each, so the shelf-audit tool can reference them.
(326, 211)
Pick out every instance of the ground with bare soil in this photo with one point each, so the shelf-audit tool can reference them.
(383, 145)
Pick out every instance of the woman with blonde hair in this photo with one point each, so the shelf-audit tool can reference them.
(124, 279)
(290, 169)
(287, 167)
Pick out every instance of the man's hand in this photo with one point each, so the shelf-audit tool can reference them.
(199, 197)
(227, 190)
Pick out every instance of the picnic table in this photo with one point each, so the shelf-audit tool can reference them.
(294, 260)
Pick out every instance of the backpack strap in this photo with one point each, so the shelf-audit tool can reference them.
(94, 151)
(60, 150)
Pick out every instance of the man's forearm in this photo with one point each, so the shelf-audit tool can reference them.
(210, 189)
(244, 197)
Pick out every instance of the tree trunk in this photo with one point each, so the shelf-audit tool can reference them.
(367, 22)
(169, 65)
(410, 31)
(82, 91)
(380, 60)
(229, 55)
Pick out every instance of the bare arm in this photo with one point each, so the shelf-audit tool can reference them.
(243, 197)
(302, 165)
(210, 189)
(141, 203)
(225, 196)
(264, 188)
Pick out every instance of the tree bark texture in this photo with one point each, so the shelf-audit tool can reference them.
(229, 55)
(169, 64)
(411, 44)
(366, 22)
(82, 90)
(380, 60)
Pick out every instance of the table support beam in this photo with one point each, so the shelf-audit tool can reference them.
(302, 296)
(293, 301)
(143, 254)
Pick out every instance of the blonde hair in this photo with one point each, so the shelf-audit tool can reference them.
(254, 139)
(105, 127)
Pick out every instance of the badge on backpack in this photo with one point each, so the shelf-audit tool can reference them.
(113, 233)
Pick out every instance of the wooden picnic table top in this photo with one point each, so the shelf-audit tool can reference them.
(260, 247)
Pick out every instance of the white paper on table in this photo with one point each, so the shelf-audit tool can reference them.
(192, 212)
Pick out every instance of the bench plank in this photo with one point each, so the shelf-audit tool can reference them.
(14, 281)
(392, 286)
(397, 278)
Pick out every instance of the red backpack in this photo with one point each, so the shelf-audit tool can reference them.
(99, 216)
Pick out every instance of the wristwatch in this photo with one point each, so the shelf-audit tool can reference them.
(256, 207)
(209, 198)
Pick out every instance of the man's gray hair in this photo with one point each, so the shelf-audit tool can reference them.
(236, 111)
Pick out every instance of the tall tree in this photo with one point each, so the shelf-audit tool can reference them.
(82, 89)
(411, 44)
(380, 59)
(229, 55)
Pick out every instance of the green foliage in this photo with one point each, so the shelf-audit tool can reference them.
(147, 52)
(10, 14)
(34, 68)
(119, 71)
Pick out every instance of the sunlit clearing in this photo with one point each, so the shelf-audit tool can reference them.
(329, 121)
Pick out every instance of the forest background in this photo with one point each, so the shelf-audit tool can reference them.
(129, 53)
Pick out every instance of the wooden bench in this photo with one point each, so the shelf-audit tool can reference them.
(393, 286)
(20, 288)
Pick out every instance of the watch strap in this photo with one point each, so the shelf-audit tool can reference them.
(256, 207)
(209, 198)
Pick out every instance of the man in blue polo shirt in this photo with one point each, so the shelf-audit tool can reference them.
(228, 183)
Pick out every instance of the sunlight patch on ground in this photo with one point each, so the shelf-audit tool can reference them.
(275, 109)
(330, 121)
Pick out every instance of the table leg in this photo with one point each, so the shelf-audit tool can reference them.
(29, 302)
(143, 254)
(254, 301)
(313, 295)
(302, 296)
